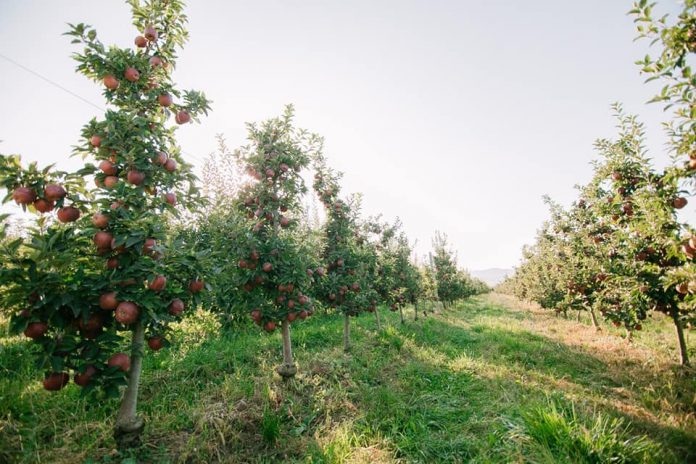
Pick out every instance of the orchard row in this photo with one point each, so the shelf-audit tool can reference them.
(620, 251)
(115, 262)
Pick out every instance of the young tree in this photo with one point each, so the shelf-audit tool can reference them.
(275, 266)
(75, 303)
(445, 264)
(344, 254)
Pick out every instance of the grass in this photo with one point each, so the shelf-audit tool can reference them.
(488, 381)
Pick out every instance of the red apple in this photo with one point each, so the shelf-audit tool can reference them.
(112, 263)
(267, 267)
(158, 283)
(120, 360)
(43, 206)
(679, 202)
(127, 312)
(156, 61)
(182, 117)
(68, 214)
(135, 177)
(196, 286)
(110, 82)
(83, 379)
(141, 41)
(150, 33)
(95, 141)
(100, 220)
(36, 329)
(155, 343)
(161, 158)
(170, 165)
(165, 100)
(132, 74)
(102, 239)
(56, 381)
(23, 195)
(110, 182)
(269, 326)
(170, 198)
(54, 192)
(176, 307)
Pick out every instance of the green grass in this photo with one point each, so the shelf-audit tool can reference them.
(487, 381)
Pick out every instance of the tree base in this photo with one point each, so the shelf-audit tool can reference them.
(286, 371)
(128, 434)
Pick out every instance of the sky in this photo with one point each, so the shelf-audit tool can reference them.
(455, 116)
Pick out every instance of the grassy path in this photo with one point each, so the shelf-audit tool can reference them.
(487, 381)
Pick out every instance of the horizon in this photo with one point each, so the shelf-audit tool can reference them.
(426, 93)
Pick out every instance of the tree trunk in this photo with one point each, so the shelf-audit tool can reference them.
(683, 355)
(129, 426)
(629, 336)
(288, 369)
(595, 324)
(401, 313)
(379, 324)
(415, 310)
(346, 332)
(578, 317)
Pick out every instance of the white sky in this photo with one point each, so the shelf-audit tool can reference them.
(452, 115)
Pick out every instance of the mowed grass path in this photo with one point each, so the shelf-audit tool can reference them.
(488, 381)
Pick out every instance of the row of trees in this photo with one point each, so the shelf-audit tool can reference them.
(124, 258)
(620, 250)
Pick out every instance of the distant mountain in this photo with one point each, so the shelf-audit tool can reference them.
(492, 276)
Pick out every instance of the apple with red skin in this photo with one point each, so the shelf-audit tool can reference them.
(148, 246)
(291, 316)
(44, 206)
(270, 173)
(82, 379)
(120, 360)
(140, 41)
(320, 272)
(196, 285)
(95, 141)
(291, 304)
(132, 75)
(256, 315)
(267, 267)
(108, 168)
(303, 314)
(150, 33)
(112, 263)
(617, 176)
(23, 195)
(165, 100)
(100, 220)
(679, 202)
(110, 182)
(102, 239)
(68, 214)
(54, 192)
(127, 312)
(303, 300)
(182, 117)
(176, 307)
(170, 165)
(155, 343)
(135, 177)
(161, 158)
(158, 283)
(56, 381)
(284, 221)
(170, 198)
(94, 322)
(110, 82)
(156, 61)
(36, 330)
(269, 326)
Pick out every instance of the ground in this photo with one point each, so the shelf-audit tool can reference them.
(490, 380)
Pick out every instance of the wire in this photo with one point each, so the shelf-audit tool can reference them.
(50, 81)
(44, 78)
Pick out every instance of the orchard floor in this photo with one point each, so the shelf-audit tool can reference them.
(490, 380)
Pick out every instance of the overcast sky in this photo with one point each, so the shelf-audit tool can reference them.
(452, 115)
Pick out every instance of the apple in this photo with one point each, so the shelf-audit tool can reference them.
(54, 192)
(256, 315)
(267, 267)
(110, 82)
(135, 177)
(176, 307)
(82, 379)
(102, 239)
(120, 360)
(182, 117)
(100, 220)
(303, 314)
(108, 168)
(291, 304)
(679, 202)
(148, 246)
(23, 195)
(95, 141)
(170, 198)
(303, 300)
(150, 33)
(270, 173)
(284, 221)
(43, 206)
(170, 165)
(56, 381)
(68, 214)
(165, 100)
(127, 312)
(132, 74)
(141, 41)
(156, 61)
(155, 343)
(110, 182)
(112, 263)
(269, 326)
(36, 330)
(158, 283)
(196, 285)
(291, 316)
(617, 176)
(94, 323)
(284, 167)
(161, 158)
